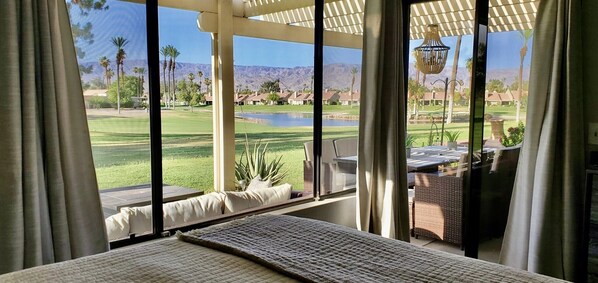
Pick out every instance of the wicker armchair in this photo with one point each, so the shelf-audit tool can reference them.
(438, 207)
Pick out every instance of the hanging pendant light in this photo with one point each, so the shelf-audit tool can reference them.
(432, 54)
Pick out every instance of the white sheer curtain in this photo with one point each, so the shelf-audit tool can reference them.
(49, 202)
(382, 202)
(543, 233)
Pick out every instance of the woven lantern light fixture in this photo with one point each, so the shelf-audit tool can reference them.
(431, 55)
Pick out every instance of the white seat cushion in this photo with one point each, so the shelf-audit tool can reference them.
(238, 201)
(176, 213)
(117, 226)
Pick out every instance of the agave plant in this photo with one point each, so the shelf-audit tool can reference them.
(254, 162)
(452, 136)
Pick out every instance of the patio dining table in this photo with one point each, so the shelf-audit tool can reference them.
(422, 159)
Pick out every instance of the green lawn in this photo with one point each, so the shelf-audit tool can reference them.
(121, 143)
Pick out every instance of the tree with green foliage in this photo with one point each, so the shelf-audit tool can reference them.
(208, 83)
(526, 35)
(416, 93)
(272, 98)
(82, 31)
(270, 86)
(119, 42)
(495, 85)
(124, 94)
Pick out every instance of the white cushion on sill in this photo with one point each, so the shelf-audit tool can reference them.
(238, 201)
(176, 213)
(117, 226)
(257, 184)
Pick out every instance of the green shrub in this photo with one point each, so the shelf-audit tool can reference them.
(514, 136)
(98, 102)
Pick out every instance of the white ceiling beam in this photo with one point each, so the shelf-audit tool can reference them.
(208, 22)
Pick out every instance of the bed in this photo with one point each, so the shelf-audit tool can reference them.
(274, 248)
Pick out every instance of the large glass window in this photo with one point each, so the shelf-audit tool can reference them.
(111, 43)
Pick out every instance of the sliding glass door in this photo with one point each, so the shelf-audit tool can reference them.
(466, 106)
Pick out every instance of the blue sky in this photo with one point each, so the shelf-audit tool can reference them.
(179, 28)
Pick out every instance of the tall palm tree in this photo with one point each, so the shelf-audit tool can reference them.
(525, 36)
(119, 42)
(105, 63)
(169, 49)
(136, 72)
(449, 118)
(164, 52)
(199, 76)
(353, 74)
(175, 53)
(141, 80)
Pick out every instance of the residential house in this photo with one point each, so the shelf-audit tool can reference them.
(301, 99)
(433, 98)
(346, 99)
(330, 97)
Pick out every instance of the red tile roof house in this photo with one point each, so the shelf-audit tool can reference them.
(345, 98)
(240, 98)
(301, 99)
(208, 100)
(496, 98)
(330, 97)
(433, 98)
(262, 99)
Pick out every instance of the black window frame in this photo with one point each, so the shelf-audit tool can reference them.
(478, 82)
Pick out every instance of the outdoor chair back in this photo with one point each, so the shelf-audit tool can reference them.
(346, 147)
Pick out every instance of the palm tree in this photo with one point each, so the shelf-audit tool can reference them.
(174, 54)
(109, 75)
(525, 36)
(169, 49)
(191, 77)
(449, 118)
(164, 52)
(119, 42)
(141, 80)
(105, 63)
(199, 76)
(353, 74)
(207, 82)
(136, 72)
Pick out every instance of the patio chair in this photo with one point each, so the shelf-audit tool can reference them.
(345, 147)
(328, 166)
(504, 168)
(438, 209)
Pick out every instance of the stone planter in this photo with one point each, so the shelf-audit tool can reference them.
(452, 145)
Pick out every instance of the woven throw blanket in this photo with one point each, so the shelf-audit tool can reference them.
(315, 251)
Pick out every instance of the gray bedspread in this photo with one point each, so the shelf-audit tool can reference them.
(315, 251)
(168, 260)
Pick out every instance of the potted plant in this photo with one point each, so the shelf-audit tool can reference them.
(254, 162)
(409, 140)
(452, 139)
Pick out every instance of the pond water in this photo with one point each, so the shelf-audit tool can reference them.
(295, 120)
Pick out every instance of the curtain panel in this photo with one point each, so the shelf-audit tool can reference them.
(382, 201)
(543, 233)
(50, 209)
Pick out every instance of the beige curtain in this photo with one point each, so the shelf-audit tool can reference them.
(543, 233)
(49, 204)
(382, 203)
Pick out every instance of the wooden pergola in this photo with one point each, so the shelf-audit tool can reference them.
(293, 21)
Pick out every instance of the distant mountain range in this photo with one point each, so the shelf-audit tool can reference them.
(336, 76)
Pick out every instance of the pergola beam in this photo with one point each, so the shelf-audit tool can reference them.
(207, 22)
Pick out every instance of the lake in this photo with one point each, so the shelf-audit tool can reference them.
(295, 120)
